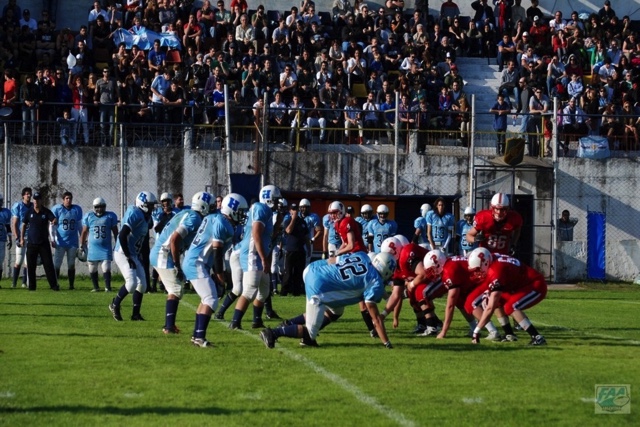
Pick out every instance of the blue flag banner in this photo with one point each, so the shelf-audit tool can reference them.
(596, 245)
(145, 39)
(247, 185)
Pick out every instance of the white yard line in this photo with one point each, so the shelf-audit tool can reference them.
(394, 416)
(596, 300)
(608, 337)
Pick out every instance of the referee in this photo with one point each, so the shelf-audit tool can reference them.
(36, 234)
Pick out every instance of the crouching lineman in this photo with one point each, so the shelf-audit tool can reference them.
(95, 242)
(207, 252)
(135, 227)
(174, 239)
(511, 287)
(331, 287)
(460, 277)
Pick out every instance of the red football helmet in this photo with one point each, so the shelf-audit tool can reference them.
(499, 206)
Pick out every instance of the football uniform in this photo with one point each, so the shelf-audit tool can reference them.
(497, 235)
(363, 226)
(440, 227)
(69, 225)
(346, 225)
(138, 223)
(381, 231)
(255, 282)
(421, 223)
(5, 227)
(410, 256)
(198, 259)
(99, 242)
(455, 274)
(19, 210)
(334, 240)
(186, 223)
(464, 247)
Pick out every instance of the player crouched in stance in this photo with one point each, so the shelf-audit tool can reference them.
(331, 287)
(135, 226)
(509, 288)
(95, 242)
(207, 250)
(461, 276)
(164, 257)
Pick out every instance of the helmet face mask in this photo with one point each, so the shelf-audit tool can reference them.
(304, 206)
(366, 211)
(433, 263)
(386, 264)
(235, 207)
(499, 206)
(392, 245)
(201, 202)
(336, 211)
(479, 261)
(270, 196)
(145, 201)
(383, 212)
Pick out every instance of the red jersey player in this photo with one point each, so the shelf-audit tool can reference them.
(348, 229)
(514, 287)
(461, 275)
(497, 228)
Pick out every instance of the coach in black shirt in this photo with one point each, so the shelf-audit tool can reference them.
(296, 239)
(36, 234)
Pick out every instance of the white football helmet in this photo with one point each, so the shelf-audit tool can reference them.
(305, 206)
(146, 200)
(336, 211)
(284, 205)
(403, 240)
(434, 262)
(201, 201)
(424, 209)
(99, 206)
(366, 211)
(235, 207)
(270, 195)
(383, 212)
(385, 264)
(392, 246)
(166, 197)
(81, 254)
(499, 206)
(469, 211)
(479, 261)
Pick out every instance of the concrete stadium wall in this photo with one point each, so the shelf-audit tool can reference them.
(610, 186)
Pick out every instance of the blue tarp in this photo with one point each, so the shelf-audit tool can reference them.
(596, 245)
(145, 39)
(247, 185)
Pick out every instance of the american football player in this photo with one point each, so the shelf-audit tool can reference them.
(5, 232)
(66, 235)
(207, 250)
(420, 226)
(380, 228)
(462, 227)
(366, 212)
(18, 212)
(161, 216)
(165, 254)
(98, 226)
(440, 227)
(497, 228)
(314, 224)
(332, 286)
(136, 223)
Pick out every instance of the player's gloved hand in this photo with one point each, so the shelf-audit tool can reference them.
(388, 345)
(479, 237)
(475, 339)
(132, 263)
(179, 273)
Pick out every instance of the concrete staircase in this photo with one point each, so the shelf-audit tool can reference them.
(483, 81)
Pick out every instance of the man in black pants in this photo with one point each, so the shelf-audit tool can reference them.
(297, 236)
(36, 230)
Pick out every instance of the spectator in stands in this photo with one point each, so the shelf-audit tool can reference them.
(296, 115)
(277, 119)
(242, 5)
(506, 51)
(556, 75)
(79, 113)
(539, 105)
(370, 118)
(28, 97)
(192, 33)
(458, 37)
(107, 95)
(574, 123)
(315, 119)
(352, 119)
(557, 23)
(606, 12)
(606, 71)
(500, 109)
(475, 38)
(260, 23)
(245, 34)
(156, 59)
(483, 13)
(509, 81)
(575, 88)
(630, 121)
(151, 15)
(540, 35)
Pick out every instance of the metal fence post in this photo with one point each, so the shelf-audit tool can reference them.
(396, 135)
(227, 126)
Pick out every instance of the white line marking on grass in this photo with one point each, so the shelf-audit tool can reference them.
(7, 394)
(596, 300)
(472, 400)
(394, 416)
(588, 399)
(608, 337)
(133, 395)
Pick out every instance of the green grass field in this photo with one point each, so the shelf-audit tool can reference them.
(64, 361)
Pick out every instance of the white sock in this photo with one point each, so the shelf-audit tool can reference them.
(525, 323)
(504, 321)
(491, 328)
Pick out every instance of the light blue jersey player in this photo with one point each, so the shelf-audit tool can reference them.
(277, 256)
(175, 238)
(67, 235)
(313, 223)
(440, 225)
(332, 240)
(255, 251)
(366, 213)
(420, 226)
(381, 228)
(5, 232)
(97, 228)
(136, 223)
(462, 227)
(206, 252)
(18, 212)
(332, 286)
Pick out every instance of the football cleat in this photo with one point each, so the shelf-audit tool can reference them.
(538, 340)
(137, 317)
(234, 325)
(172, 330)
(273, 316)
(218, 316)
(419, 329)
(495, 336)
(430, 331)
(308, 342)
(268, 337)
(107, 289)
(115, 311)
(510, 338)
(201, 342)
(95, 290)
(257, 325)
(374, 334)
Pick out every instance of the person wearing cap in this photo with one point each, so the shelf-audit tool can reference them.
(28, 21)
(539, 32)
(533, 11)
(606, 12)
(483, 13)
(35, 236)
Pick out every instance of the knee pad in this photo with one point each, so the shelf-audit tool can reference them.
(93, 266)
(210, 301)
(106, 266)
